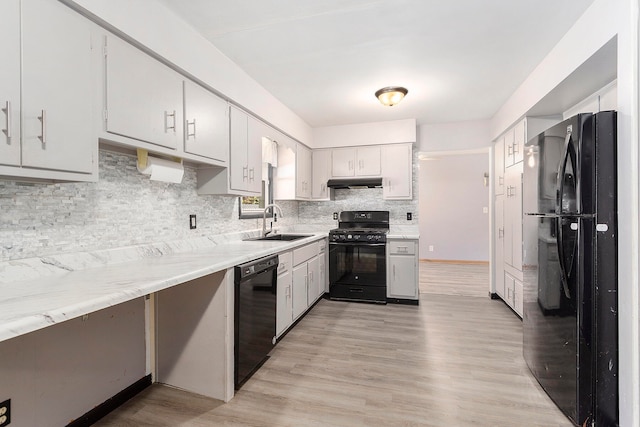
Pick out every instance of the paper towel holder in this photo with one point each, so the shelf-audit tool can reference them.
(145, 165)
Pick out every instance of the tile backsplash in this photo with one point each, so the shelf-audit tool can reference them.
(125, 208)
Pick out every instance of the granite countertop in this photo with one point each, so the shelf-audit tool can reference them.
(404, 232)
(41, 292)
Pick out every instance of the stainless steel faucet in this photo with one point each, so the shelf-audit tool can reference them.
(273, 207)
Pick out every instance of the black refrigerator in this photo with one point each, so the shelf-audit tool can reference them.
(570, 322)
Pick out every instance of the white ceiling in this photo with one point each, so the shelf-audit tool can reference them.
(460, 59)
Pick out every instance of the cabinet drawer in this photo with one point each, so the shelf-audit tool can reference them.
(304, 253)
(285, 262)
(402, 247)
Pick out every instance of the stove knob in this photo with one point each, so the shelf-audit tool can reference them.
(378, 237)
(370, 237)
(349, 236)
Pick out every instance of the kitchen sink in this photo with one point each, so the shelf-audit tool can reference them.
(282, 237)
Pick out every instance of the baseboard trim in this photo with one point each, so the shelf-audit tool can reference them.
(111, 404)
(403, 301)
(453, 261)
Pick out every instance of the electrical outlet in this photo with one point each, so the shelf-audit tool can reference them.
(409, 216)
(430, 248)
(5, 413)
(192, 222)
(335, 216)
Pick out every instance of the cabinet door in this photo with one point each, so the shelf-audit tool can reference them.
(343, 162)
(314, 280)
(303, 172)
(516, 213)
(498, 164)
(509, 287)
(498, 243)
(143, 96)
(368, 161)
(508, 148)
(206, 123)
(402, 276)
(57, 88)
(397, 171)
(519, 138)
(10, 83)
(284, 307)
(320, 174)
(518, 302)
(513, 216)
(238, 162)
(300, 289)
(254, 155)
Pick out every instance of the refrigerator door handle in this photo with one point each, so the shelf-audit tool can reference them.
(562, 169)
(563, 268)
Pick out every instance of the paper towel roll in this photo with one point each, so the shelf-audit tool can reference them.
(163, 170)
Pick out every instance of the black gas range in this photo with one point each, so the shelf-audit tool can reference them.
(357, 257)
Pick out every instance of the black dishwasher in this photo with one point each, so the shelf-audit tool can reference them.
(255, 315)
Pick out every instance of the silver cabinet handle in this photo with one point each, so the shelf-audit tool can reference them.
(166, 122)
(251, 174)
(510, 150)
(245, 172)
(7, 111)
(394, 270)
(500, 233)
(403, 248)
(43, 126)
(193, 123)
(515, 148)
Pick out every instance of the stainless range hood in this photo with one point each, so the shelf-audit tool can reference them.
(355, 183)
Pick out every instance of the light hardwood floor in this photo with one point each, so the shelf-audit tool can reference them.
(452, 361)
(447, 278)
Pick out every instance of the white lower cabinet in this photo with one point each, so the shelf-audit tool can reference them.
(402, 269)
(284, 301)
(305, 278)
(513, 291)
(300, 284)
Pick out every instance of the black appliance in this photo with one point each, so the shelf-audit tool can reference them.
(355, 183)
(255, 315)
(357, 257)
(570, 266)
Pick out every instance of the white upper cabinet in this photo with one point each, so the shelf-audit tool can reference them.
(397, 172)
(206, 123)
(321, 171)
(245, 153)
(10, 83)
(358, 161)
(47, 131)
(143, 96)
(303, 172)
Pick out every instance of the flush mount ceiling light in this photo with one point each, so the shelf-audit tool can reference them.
(391, 95)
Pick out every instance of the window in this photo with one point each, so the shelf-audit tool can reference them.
(253, 206)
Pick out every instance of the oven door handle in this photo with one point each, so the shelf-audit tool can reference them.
(356, 244)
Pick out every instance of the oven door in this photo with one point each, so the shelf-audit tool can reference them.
(358, 271)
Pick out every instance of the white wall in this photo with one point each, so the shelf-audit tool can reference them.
(153, 25)
(390, 132)
(451, 202)
(467, 135)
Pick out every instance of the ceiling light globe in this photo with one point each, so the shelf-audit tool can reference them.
(391, 95)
